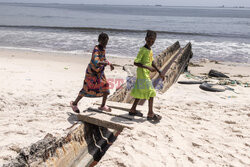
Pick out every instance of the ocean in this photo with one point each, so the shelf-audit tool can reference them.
(221, 34)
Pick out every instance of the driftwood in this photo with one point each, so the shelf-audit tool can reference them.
(78, 148)
(118, 119)
(39, 153)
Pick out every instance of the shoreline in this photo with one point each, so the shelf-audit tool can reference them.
(56, 53)
(37, 87)
(64, 54)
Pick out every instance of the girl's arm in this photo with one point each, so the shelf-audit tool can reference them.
(160, 73)
(144, 66)
(154, 65)
(105, 62)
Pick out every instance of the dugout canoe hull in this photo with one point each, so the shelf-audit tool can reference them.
(171, 61)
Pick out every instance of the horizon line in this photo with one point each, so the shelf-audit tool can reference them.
(156, 5)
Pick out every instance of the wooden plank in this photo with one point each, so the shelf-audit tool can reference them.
(122, 106)
(118, 119)
(93, 119)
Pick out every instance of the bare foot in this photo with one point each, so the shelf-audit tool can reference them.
(154, 118)
(134, 112)
(105, 108)
(74, 107)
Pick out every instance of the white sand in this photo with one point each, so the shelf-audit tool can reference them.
(198, 128)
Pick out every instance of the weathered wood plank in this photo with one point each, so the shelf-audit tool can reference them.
(101, 120)
(118, 119)
(123, 106)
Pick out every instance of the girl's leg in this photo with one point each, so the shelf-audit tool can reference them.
(104, 99)
(150, 107)
(151, 115)
(103, 106)
(73, 104)
(77, 100)
(133, 108)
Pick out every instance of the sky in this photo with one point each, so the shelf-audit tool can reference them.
(229, 3)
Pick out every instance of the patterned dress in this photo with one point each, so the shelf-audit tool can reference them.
(95, 82)
(143, 88)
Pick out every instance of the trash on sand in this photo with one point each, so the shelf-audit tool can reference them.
(211, 87)
(232, 96)
(214, 73)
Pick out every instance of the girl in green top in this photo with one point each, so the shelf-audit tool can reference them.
(143, 88)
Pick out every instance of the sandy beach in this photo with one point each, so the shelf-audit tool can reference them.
(198, 128)
(36, 88)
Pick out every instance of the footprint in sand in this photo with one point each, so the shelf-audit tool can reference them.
(236, 131)
(31, 120)
(191, 160)
(248, 145)
(196, 145)
(230, 122)
(196, 118)
(59, 105)
(9, 93)
(60, 96)
(240, 136)
(18, 132)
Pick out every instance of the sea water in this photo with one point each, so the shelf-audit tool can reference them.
(215, 33)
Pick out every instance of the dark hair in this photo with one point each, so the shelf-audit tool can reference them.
(103, 36)
(151, 33)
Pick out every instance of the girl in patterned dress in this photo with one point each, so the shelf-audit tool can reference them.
(95, 82)
(143, 88)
